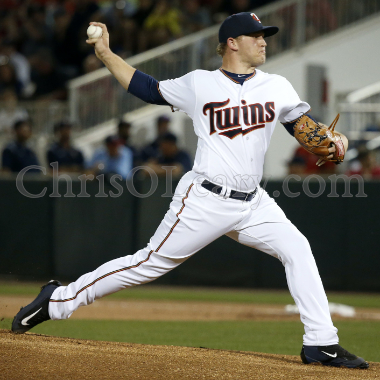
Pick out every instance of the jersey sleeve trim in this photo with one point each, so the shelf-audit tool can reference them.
(179, 93)
(293, 121)
(289, 126)
(162, 96)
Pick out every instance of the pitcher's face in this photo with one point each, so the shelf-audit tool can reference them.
(251, 48)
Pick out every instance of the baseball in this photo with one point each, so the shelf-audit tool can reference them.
(94, 31)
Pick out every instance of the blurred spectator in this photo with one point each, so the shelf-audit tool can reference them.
(60, 44)
(151, 150)
(75, 37)
(320, 18)
(127, 45)
(170, 155)
(59, 26)
(297, 166)
(36, 33)
(144, 10)
(10, 112)
(217, 9)
(118, 10)
(50, 83)
(69, 159)
(91, 63)
(124, 134)
(19, 62)
(161, 25)
(8, 78)
(365, 164)
(17, 155)
(194, 17)
(9, 26)
(113, 158)
(237, 6)
(120, 25)
(308, 161)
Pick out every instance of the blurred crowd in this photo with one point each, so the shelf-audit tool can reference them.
(116, 155)
(42, 46)
(42, 42)
(365, 164)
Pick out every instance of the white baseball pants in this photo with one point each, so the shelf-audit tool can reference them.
(197, 217)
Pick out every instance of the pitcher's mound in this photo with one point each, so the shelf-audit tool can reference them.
(33, 356)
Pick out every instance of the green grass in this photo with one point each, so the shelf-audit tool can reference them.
(208, 295)
(278, 337)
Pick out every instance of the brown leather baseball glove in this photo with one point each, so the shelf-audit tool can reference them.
(321, 140)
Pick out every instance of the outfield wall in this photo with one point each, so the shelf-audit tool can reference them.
(65, 237)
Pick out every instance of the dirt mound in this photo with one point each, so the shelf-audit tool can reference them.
(33, 356)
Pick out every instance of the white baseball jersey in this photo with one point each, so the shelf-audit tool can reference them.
(233, 122)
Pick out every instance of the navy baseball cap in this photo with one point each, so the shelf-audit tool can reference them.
(243, 23)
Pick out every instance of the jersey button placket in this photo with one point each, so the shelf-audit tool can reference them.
(240, 98)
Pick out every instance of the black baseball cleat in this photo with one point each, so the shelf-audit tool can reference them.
(335, 356)
(37, 311)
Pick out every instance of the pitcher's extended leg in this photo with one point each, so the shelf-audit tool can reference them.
(142, 267)
(189, 225)
(284, 241)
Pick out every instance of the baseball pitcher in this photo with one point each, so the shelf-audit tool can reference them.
(234, 111)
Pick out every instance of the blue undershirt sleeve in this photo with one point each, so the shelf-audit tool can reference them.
(289, 127)
(146, 88)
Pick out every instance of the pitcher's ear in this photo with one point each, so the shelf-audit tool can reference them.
(232, 43)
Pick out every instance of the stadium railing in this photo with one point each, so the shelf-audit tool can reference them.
(43, 114)
(96, 97)
(360, 112)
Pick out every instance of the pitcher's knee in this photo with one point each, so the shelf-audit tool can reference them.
(297, 248)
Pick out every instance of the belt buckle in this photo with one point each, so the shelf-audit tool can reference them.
(246, 196)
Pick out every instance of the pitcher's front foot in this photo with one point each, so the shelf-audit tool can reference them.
(37, 311)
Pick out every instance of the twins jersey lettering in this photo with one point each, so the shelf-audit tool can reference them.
(234, 123)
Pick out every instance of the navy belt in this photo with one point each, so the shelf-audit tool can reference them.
(234, 194)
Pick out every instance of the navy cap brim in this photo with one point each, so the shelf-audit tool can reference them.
(270, 31)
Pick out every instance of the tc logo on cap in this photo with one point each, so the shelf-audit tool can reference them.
(255, 17)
